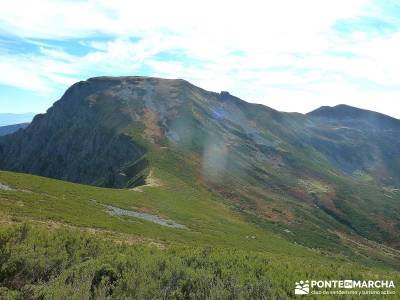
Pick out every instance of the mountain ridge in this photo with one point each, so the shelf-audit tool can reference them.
(75, 102)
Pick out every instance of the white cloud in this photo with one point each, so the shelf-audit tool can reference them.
(279, 53)
(54, 19)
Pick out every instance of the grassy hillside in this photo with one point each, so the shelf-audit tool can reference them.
(60, 241)
(208, 220)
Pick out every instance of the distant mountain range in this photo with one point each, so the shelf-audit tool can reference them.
(4, 130)
(323, 176)
(11, 119)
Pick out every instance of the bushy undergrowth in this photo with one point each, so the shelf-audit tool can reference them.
(37, 263)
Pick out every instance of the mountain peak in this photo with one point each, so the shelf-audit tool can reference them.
(343, 112)
(135, 80)
(338, 111)
(132, 78)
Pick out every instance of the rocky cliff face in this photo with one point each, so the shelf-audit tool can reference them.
(76, 140)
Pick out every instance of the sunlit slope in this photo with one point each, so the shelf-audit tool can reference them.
(203, 218)
(208, 220)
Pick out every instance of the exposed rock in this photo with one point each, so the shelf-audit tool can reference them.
(5, 187)
(116, 211)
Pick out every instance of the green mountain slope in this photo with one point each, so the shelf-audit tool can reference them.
(197, 168)
(74, 244)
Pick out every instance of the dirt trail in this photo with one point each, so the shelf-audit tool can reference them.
(150, 181)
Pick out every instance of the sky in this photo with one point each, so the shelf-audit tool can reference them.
(290, 55)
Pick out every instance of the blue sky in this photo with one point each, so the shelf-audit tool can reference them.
(290, 55)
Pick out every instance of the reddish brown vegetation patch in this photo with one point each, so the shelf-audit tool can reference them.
(150, 120)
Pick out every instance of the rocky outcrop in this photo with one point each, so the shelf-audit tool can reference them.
(74, 141)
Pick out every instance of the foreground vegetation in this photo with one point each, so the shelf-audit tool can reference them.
(38, 263)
